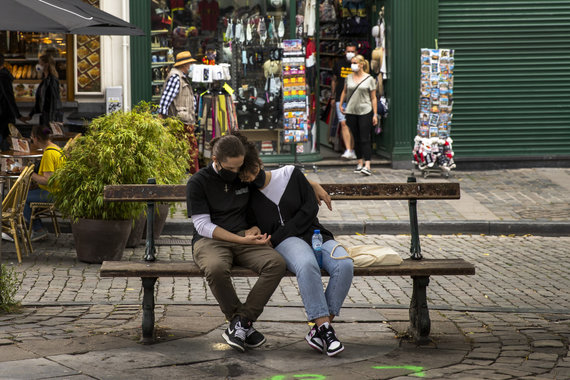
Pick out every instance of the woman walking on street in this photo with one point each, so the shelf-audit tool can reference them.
(359, 94)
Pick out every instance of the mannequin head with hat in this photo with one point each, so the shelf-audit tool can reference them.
(183, 61)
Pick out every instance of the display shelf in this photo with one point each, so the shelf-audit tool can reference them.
(157, 82)
(159, 64)
(160, 49)
(27, 81)
(160, 31)
(9, 60)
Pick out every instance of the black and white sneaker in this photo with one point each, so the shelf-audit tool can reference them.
(365, 171)
(333, 345)
(358, 169)
(235, 334)
(314, 339)
(253, 338)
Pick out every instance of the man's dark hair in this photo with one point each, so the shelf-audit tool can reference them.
(227, 146)
(1, 59)
(351, 43)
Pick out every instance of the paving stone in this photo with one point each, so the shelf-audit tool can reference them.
(543, 357)
(547, 344)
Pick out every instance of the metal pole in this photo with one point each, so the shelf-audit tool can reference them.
(150, 250)
(415, 248)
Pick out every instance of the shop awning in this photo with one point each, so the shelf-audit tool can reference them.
(61, 16)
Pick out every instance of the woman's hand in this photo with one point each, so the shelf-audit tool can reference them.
(254, 231)
(375, 120)
(341, 108)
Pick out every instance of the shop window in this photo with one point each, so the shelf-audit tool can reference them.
(21, 52)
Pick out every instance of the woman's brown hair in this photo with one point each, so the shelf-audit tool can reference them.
(41, 132)
(48, 61)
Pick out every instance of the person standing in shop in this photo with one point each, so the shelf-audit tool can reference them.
(48, 97)
(340, 71)
(178, 101)
(8, 109)
(361, 110)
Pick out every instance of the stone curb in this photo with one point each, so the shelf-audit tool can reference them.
(185, 227)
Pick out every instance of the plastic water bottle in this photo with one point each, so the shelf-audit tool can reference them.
(317, 242)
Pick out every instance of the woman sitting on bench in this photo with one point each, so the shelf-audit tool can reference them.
(286, 208)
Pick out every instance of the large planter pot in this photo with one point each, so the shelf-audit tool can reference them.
(137, 230)
(99, 240)
(160, 214)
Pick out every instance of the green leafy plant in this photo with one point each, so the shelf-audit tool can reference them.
(120, 148)
(8, 288)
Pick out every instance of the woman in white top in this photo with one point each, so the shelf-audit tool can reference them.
(359, 94)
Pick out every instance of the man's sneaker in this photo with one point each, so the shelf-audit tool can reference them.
(365, 171)
(358, 169)
(38, 235)
(333, 345)
(352, 155)
(253, 338)
(314, 339)
(235, 334)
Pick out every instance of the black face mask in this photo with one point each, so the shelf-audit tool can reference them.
(259, 181)
(227, 175)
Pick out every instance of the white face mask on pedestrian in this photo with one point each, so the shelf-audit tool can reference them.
(355, 67)
(349, 56)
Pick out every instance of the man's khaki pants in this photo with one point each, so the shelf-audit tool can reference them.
(216, 258)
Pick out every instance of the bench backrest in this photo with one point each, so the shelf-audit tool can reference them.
(411, 191)
(347, 191)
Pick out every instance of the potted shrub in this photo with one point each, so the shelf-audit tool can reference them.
(118, 148)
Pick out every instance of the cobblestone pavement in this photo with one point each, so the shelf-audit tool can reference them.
(510, 320)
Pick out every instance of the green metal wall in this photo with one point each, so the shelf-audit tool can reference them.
(410, 26)
(512, 76)
(141, 74)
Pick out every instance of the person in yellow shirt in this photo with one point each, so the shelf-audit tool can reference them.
(52, 159)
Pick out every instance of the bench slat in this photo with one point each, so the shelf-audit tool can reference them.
(378, 191)
(425, 267)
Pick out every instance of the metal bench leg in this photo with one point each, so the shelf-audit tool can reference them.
(148, 310)
(420, 323)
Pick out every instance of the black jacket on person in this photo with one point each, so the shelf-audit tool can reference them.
(48, 101)
(295, 215)
(8, 109)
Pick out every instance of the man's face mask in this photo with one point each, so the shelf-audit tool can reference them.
(227, 175)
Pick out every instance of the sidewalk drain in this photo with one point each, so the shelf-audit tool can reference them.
(173, 242)
(551, 211)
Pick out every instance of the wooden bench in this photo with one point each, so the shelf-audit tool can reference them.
(419, 268)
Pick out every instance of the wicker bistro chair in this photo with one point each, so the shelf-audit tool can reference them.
(44, 210)
(13, 212)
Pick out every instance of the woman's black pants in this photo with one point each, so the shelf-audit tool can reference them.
(361, 129)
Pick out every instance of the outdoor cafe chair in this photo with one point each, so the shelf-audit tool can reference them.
(13, 212)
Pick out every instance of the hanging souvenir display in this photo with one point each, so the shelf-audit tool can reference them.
(432, 145)
(295, 110)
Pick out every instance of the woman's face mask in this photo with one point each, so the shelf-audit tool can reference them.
(355, 67)
(259, 181)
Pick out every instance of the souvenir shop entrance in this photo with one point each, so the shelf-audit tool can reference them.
(252, 74)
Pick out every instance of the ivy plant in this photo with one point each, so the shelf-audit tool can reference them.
(119, 148)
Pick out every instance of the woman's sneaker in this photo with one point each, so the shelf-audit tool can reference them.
(333, 345)
(235, 334)
(314, 339)
(358, 169)
(365, 171)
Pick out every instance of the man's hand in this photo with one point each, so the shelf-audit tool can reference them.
(254, 231)
(257, 239)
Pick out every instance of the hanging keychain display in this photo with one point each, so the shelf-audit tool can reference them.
(432, 146)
